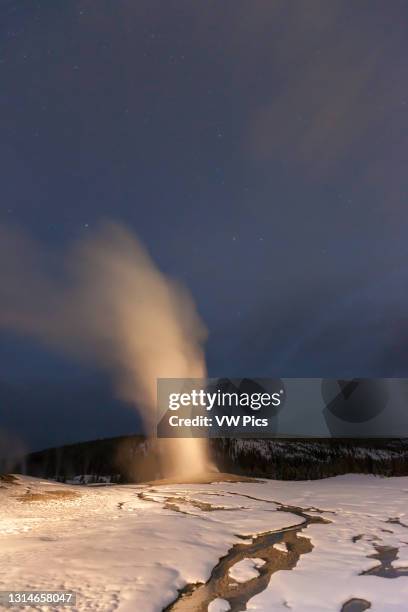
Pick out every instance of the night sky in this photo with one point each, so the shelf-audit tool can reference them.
(258, 149)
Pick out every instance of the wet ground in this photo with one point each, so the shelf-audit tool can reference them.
(197, 597)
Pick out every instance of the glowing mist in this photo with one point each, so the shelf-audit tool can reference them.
(109, 304)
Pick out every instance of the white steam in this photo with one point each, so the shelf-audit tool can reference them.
(106, 302)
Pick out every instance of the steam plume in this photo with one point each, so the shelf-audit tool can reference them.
(106, 302)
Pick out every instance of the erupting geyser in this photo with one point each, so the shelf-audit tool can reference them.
(110, 305)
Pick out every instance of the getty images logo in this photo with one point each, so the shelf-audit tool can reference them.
(289, 407)
(263, 395)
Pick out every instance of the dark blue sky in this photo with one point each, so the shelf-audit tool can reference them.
(259, 149)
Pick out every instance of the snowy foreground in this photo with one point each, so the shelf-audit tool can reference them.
(132, 548)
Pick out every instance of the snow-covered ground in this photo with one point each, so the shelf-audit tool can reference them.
(246, 569)
(131, 548)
